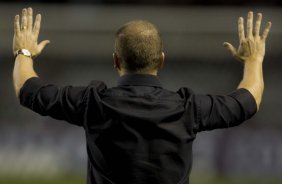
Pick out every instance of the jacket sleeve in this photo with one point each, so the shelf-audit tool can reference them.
(223, 111)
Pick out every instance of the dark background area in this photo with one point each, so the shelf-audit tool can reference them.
(159, 2)
(82, 34)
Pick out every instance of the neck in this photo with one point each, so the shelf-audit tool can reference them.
(123, 72)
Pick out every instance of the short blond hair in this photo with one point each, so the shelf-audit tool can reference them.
(139, 46)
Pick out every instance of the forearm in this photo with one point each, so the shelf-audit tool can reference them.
(23, 70)
(253, 78)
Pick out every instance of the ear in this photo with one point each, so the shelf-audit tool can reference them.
(116, 61)
(162, 60)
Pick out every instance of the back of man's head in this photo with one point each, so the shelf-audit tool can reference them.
(138, 46)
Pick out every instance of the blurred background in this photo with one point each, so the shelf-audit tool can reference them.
(35, 149)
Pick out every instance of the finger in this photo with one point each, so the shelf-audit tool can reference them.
(257, 26)
(241, 29)
(37, 24)
(250, 25)
(43, 44)
(266, 31)
(230, 48)
(29, 18)
(24, 19)
(17, 28)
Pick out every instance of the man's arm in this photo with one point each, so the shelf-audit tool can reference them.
(26, 37)
(251, 53)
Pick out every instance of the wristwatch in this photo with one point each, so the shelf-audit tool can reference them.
(24, 52)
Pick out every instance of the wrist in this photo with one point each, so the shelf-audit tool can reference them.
(256, 59)
(23, 59)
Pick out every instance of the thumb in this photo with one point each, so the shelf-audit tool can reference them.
(42, 45)
(230, 48)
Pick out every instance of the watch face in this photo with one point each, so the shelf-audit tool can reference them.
(26, 52)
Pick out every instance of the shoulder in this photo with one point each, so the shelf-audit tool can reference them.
(97, 84)
(185, 92)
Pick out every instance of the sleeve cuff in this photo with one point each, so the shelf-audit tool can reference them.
(28, 91)
(246, 100)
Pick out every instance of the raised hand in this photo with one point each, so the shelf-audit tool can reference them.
(252, 45)
(26, 34)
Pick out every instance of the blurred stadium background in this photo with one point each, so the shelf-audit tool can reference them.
(41, 150)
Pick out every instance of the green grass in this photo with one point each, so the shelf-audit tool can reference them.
(59, 180)
(82, 180)
(234, 181)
